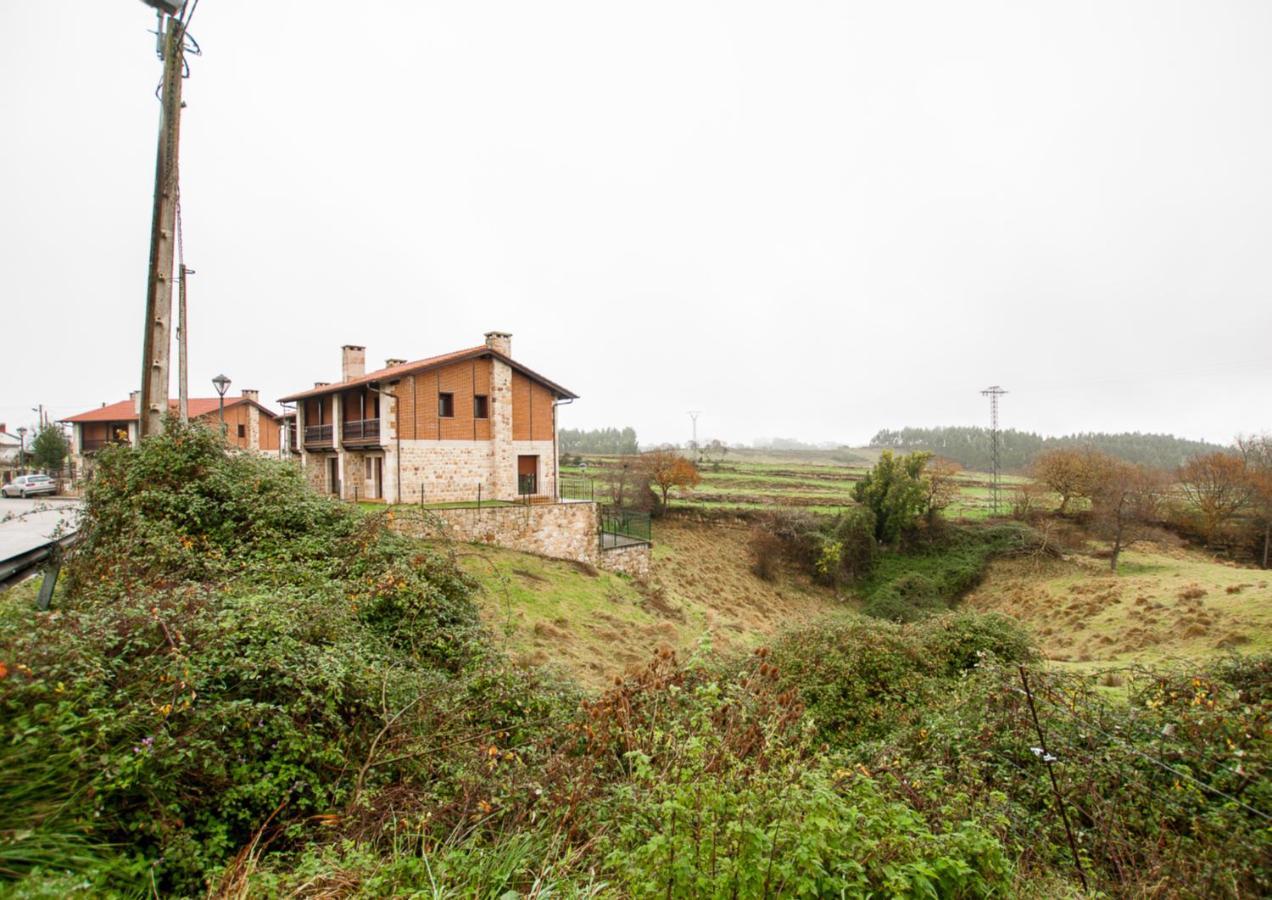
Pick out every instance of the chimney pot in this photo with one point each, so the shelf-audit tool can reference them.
(249, 394)
(353, 362)
(322, 384)
(500, 342)
(390, 363)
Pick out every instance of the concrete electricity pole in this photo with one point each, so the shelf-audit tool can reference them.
(183, 347)
(157, 335)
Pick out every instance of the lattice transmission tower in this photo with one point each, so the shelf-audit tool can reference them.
(993, 393)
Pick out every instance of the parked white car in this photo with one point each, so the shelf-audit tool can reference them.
(29, 485)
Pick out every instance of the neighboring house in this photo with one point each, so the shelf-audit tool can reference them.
(10, 454)
(248, 424)
(448, 428)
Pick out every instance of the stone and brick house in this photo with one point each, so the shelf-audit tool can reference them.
(446, 428)
(249, 425)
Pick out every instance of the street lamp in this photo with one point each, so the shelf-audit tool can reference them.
(171, 7)
(22, 447)
(222, 384)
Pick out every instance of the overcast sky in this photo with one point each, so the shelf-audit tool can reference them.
(806, 219)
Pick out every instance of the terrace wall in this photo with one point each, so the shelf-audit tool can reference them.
(556, 530)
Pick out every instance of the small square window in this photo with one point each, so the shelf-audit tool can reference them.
(242, 431)
(481, 407)
(446, 406)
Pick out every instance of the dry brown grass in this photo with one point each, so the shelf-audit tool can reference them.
(596, 624)
(1167, 601)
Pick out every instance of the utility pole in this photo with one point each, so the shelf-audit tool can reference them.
(183, 347)
(993, 393)
(157, 335)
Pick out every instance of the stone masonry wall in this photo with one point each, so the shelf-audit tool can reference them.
(558, 530)
(446, 470)
(634, 560)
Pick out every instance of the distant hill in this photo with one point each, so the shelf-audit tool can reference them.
(970, 447)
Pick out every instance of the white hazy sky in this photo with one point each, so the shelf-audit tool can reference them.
(808, 219)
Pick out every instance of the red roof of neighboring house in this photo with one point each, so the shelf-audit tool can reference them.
(395, 372)
(123, 411)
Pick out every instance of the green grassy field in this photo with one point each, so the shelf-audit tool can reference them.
(816, 481)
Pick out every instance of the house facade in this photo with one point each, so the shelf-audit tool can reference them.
(248, 424)
(456, 427)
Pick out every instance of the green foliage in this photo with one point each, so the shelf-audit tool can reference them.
(906, 586)
(790, 830)
(895, 493)
(227, 644)
(248, 690)
(861, 679)
(1144, 773)
(971, 447)
(49, 448)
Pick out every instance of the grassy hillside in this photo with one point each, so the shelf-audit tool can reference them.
(817, 481)
(594, 624)
(1166, 603)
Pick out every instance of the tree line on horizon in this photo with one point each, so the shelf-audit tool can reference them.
(610, 441)
(970, 446)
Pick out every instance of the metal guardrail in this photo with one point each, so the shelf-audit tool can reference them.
(47, 556)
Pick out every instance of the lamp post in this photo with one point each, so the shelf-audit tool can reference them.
(22, 447)
(222, 384)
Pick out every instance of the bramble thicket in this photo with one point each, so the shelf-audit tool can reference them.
(246, 689)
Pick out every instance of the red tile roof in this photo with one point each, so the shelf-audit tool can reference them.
(395, 372)
(123, 411)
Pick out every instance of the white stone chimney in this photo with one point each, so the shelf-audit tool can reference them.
(500, 342)
(353, 362)
(391, 362)
(249, 394)
(135, 397)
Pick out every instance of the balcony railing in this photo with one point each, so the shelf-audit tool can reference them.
(92, 445)
(362, 431)
(318, 436)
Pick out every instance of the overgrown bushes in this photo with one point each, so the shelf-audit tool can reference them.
(249, 690)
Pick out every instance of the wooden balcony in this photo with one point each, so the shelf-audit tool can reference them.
(318, 437)
(92, 445)
(361, 433)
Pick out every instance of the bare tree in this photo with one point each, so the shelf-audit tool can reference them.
(1256, 452)
(1065, 471)
(940, 477)
(1123, 497)
(1218, 487)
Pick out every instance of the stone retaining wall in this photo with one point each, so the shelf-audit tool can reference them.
(556, 530)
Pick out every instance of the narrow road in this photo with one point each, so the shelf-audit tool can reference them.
(28, 524)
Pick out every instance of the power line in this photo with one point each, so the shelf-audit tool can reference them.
(1178, 773)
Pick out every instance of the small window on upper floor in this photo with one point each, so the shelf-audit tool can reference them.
(481, 406)
(446, 406)
(242, 431)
